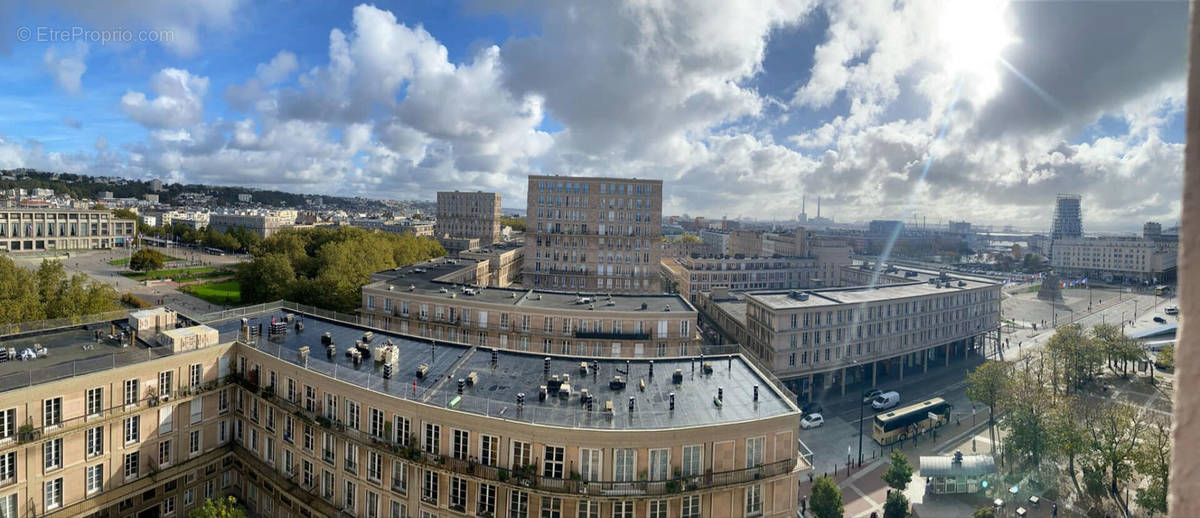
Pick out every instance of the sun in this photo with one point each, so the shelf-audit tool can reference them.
(973, 34)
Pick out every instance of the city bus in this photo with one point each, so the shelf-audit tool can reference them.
(902, 423)
(1162, 291)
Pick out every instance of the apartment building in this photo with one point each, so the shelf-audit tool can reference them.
(417, 228)
(436, 300)
(469, 214)
(504, 261)
(1131, 258)
(697, 273)
(30, 230)
(265, 225)
(593, 234)
(293, 431)
(818, 339)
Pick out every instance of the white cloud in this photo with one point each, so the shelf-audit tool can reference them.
(179, 101)
(279, 68)
(67, 66)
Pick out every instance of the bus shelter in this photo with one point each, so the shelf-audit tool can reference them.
(958, 473)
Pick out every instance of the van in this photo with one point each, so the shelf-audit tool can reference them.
(1172, 310)
(886, 400)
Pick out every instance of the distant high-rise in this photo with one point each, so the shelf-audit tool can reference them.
(1152, 230)
(156, 185)
(593, 234)
(469, 215)
(1068, 217)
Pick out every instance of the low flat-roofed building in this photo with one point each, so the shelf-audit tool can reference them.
(438, 299)
(814, 339)
(1115, 258)
(445, 428)
(188, 338)
(504, 260)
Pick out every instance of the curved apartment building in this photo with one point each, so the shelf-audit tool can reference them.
(302, 416)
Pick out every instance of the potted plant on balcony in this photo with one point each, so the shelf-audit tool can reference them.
(25, 433)
(324, 421)
(672, 486)
(502, 475)
(268, 392)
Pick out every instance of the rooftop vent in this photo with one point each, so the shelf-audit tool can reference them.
(390, 287)
(667, 308)
(643, 306)
(798, 295)
(961, 284)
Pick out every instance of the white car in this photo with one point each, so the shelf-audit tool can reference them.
(1172, 310)
(811, 421)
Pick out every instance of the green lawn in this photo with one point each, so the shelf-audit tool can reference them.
(180, 274)
(125, 260)
(223, 293)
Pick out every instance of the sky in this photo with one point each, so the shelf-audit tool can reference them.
(974, 110)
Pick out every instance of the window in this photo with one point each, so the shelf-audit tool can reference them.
(587, 509)
(94, 441)
(52, 411)
(691, 507)
(754, 505)
(486, 504)
(624, 460)
(331, 406)
(131, 392)
(374, 466)
(551, 507)
(351, 458)
(399, 477)
(8, 423)
(461, 439)
(131, 465)
(94, 476)
(195, 375)
(399, 510)
(189, 496)
(164, 452)
(165, 382)
(518, 504)
(693, 460)
(429, 487)
(166, 419)
(658, 509)
(372, 504)
(590, 463)
(52, 453)
(133, 429)
(403, 430)
(8, 506)
(754, 451)
(487, 449)
(223, 401)
(350, 494)
(196, 412)
(168, 506)
(352, 414)
(552, 465)
(522, 454)
(458, 494)
(8, 466)
(194, 442)
(432, 433)
(54, 490)
(94, 401)
(306, 473)
(623, 509)
(375, 422)
(659, 464)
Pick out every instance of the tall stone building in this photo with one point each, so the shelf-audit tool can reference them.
(468, 215)
(593, 234)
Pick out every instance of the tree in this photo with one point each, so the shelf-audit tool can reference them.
(984, 512)
(1067, 431)
(1028, 416)
(688, 238)
(1114, 430)
(825, 501)
(517, 224)
(1166, 358)
(899, 472)
(146, 259)
(124, 213)
(266, 278)
(896, 505)
(988, 384)
(1074, 356)
(213, 508)
(1153, 459)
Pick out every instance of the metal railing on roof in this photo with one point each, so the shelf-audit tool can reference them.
(59, 323)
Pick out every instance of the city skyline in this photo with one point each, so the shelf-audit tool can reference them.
(820, 99)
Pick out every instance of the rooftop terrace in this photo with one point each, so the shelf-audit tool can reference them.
(862, 294)
(497, 385)
(422, 279)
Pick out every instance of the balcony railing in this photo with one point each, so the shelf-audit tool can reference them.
(612, 336)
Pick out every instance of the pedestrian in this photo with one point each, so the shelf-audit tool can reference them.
(803, 505)
(1054, 510)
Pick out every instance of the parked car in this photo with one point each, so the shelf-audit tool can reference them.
(1172, 310)
(886, 400)
(1160, 320)
(870, 395)
(811, 421)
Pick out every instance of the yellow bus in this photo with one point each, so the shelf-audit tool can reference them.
(902, 423)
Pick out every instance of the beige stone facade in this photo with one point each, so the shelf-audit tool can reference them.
(469, 214)
(433, 303)
(599, 235)
(294, 436)
(32, 230)
(265, 225)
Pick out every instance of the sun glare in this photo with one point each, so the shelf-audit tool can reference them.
(973, 34)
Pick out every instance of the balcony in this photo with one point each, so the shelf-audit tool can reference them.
(612, 336)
